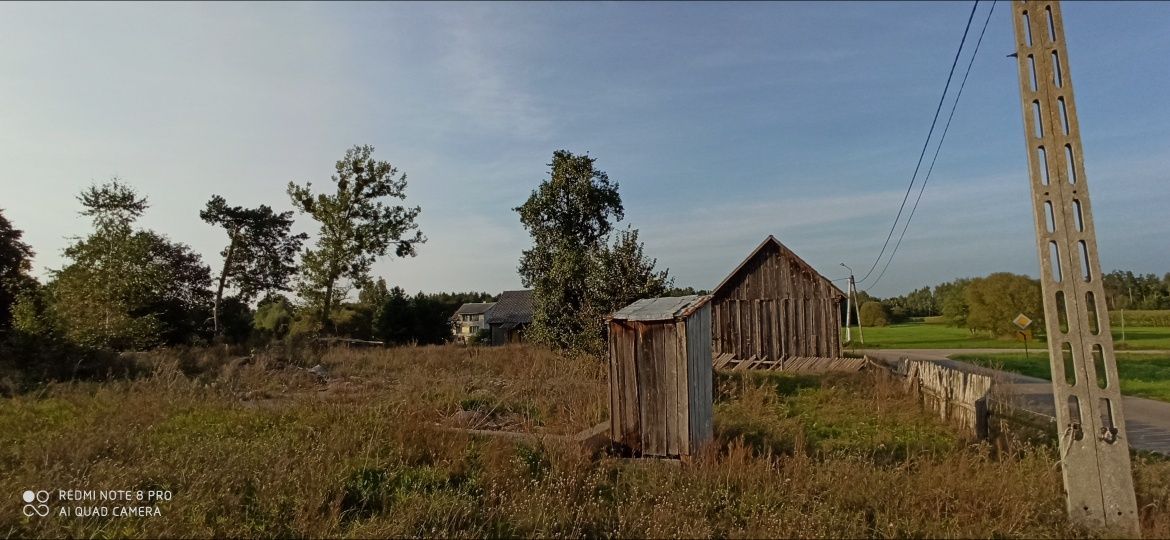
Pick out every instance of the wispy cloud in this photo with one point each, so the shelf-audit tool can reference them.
(490, 96)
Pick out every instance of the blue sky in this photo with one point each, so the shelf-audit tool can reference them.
(722, 123)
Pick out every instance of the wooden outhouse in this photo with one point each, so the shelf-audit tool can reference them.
(774, 307)
(660, 375)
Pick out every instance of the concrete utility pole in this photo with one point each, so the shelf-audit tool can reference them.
(1095, 464)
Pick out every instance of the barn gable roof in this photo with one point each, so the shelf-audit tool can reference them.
(785, 251)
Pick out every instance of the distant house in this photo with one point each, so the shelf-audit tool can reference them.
(510, 317)
(468, 320)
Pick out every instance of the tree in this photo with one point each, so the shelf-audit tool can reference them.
(393, 318)
(431, 322)
(569, 218)
(125, 288)
(423, 319)
(874, 314)
(357, 226)
(684, 291)
(374, 295)
(452, 300)
(273, 316)
(952, 301)
(15, 263)
(996, 299)
(624, 273)
(1126, 290)
(260, 255)
(917, 303)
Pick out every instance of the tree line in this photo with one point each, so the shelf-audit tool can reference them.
(123, 287)
(988, 304)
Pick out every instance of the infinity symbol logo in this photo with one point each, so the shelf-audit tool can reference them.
(31, 509)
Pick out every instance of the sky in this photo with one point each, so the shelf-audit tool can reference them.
(721, 122)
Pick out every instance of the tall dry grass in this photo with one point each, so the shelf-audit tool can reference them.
(265, 448)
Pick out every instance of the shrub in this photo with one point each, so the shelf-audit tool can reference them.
(874, 314)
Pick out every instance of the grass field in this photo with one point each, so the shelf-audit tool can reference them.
(267, 449)
(941, 336)
(1144, 375)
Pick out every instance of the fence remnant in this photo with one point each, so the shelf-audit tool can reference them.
(796, 364)
(661, 388)
(958, 396)
(1093, 443)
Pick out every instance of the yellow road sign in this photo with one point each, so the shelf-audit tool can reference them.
(1022, 321)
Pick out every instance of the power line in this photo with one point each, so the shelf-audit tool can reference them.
(942, 138)
(925, 145)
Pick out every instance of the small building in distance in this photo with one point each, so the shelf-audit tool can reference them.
(772, 307)
(469, 319)
(510, 317)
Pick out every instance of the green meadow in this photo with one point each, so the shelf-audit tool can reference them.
(934, 335)
(1143, 375)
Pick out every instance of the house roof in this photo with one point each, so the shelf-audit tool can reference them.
(512, 307)
(473, 308)
(660, 309)
(772, 241)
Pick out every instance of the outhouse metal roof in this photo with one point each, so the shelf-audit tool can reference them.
(660, 309)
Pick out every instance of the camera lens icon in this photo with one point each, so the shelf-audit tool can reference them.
(40, 497)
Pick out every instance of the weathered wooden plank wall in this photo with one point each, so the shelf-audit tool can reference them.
(957, 396)
(699, 373)
(661, 387)
(792, 364)
(774, 307)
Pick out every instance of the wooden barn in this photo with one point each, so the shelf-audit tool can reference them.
(773, 308)
(661, 389)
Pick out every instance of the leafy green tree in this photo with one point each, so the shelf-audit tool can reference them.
(996, 299)
(261, 251)
(15, 263)
(917, 303)
(273, 316)
(374, 295)
(125, 288)
(236, 319)
(623, 273)
(952, 301)
(353, 320)
(357, 225)
(569, 218)
(684, 291)
(874, 314)
(1126, 290)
